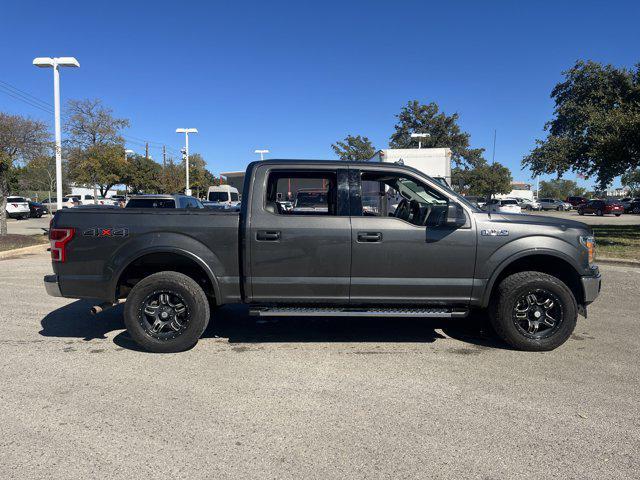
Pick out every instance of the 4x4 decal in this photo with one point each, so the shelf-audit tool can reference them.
(106, 232)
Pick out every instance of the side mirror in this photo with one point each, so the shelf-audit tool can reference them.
(455, 216)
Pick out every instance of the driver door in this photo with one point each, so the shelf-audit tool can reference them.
(399, 259)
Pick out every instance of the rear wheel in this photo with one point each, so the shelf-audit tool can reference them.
(166, 312)
(599, 213)
(618, 214)
(580, 212)
(534, 311)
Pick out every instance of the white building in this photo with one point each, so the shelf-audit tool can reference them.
(89, 191)
(519, 190)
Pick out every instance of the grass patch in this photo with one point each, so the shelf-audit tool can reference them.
(617, 241)
(13, 241)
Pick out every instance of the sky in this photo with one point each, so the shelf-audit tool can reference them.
(296, 76)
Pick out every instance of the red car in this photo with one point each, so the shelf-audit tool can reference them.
(601, 207)
(576, 201)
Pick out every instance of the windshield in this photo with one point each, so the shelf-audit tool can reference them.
(218, 196)
(509, 202)
(16, 199)
(311, 199)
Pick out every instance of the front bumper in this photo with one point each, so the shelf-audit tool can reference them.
(591, 286)
(51, 285)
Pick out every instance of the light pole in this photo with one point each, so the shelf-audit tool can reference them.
(420, 136)
(187, 131)
(127, 152)
(261, 152)
(55, 63)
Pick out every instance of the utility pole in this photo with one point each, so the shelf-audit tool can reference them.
(164, 156)
(146, 150)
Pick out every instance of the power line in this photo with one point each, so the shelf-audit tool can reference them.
(25, 94)
(35, 102)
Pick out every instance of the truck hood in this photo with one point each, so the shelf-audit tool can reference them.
(561, 223)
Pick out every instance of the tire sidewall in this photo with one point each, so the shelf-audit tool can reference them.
(194, 298)
(503, 314)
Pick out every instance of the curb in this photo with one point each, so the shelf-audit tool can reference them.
(16, 252)
(618, 261)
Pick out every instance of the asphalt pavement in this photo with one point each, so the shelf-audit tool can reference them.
(313, 398)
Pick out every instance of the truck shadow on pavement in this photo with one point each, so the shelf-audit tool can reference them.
(234, 324)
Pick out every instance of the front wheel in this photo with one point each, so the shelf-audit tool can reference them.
(618, 214)
(580, 212)
(166, 312)
(533, 311)
(599, 213)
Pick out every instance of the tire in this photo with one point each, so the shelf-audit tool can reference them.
(507, 304)
(617, 214)
(599, 213)
(636, 210)
(186, 308)
(580, 212)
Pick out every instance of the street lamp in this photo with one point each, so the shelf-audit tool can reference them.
(261, 152)
(420, 136)
(187, 131)
(127, 152)
(55, 63)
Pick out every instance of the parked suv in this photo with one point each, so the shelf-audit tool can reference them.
(601, 207)
(553, 204)
(503, 205)
(576, 201)
(18, 208)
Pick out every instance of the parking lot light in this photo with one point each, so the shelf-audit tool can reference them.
(56, 63)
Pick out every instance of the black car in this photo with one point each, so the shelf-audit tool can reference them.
(36, 210)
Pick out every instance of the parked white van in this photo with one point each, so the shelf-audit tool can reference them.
(224, 194)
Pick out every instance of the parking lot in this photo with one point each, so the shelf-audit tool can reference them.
(321, 398)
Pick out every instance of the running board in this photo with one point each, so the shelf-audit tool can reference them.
(433, 312)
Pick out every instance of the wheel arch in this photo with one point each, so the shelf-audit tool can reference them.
(545, 261)
(167, 258)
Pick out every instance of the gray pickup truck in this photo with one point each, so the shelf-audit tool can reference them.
(371, 240)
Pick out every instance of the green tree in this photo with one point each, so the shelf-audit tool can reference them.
(632, 180)
(354, 149)
(142, 174)
(559, 188)
(95, 145)
(200, 178)
(98, 166)
(172, 179)
(443, 129)
(21, 139)
(483, 180)
(39, 174)
(596, 126)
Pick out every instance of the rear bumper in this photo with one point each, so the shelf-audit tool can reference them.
(591, 287)
(51, 285)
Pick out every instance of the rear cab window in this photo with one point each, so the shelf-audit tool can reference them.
(151, 203)
(301, 193)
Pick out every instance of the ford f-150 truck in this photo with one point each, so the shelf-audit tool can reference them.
(382, 240)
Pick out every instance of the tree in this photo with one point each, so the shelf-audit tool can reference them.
(90, 123)
(483, 180)
(200, 179)
(559, 188)
(354, 149)
(99, 166)
(596, 126)
(21, 139)
(40, 174)
(96, 147)
(443, 129)
(142, 174)
(172, 179)
(632, 180)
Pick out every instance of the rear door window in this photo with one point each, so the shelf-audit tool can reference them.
(151, 203)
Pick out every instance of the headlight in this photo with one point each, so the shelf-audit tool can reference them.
(589, 242)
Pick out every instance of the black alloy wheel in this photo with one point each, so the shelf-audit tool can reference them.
(538, 314)
(164, 315)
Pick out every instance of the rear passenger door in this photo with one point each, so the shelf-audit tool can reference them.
(299, 235)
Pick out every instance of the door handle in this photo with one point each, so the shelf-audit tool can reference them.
(268, 236)
(369, 237)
